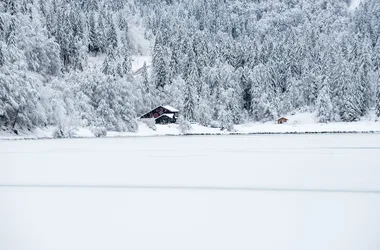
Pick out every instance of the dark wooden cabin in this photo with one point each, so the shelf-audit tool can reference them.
(162, 114)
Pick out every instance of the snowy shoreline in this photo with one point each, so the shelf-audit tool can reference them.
(300, 123)
(172, 130)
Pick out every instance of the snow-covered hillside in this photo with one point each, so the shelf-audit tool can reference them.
(99, 64)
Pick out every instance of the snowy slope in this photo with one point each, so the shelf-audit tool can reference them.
(354, 4)
(138, 62)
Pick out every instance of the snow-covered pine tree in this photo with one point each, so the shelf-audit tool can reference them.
(2, 59)
(246, 84)
(2, 29)
(159, 64)
(262, 92)
(225, 115)
(110, 63)
(173, 65)
(324, 105)
(91, 5)
(189, 105)
(364, 69)
(146, 85)
(112, 41)
(94, 44)
(351, 109)
(377, 106)
(102, 33)
(175, 93)
(204, 108)
(11, 6)
(11, 34)
(376, 56)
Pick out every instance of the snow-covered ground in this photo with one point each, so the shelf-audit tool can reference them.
(89, 202)
(354, 4)
(138, 62)
(298, 123)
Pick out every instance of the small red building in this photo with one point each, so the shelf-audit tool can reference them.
(282, 120)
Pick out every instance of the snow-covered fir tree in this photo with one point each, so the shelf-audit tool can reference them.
(324, 105)
(377, 107)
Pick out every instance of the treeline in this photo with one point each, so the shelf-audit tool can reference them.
(220, 62)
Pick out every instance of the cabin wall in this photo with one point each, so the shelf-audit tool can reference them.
(164, 120)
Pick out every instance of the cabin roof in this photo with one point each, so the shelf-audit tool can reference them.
(168, 115)
(170, 108)
(167, 107)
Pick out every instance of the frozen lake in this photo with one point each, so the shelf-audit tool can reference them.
(193, 192)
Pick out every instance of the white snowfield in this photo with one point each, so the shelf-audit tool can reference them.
(272, 192)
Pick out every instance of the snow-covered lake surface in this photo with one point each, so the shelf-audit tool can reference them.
(241, 192)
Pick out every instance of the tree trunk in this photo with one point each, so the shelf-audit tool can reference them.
(15, 120)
